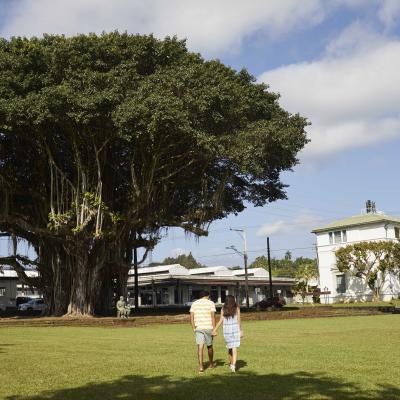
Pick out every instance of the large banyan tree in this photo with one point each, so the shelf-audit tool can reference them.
(107, 140)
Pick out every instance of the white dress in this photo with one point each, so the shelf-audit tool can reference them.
(231, 332)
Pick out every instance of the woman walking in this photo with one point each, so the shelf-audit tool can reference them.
(230, 317)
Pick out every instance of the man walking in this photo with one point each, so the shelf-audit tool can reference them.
(202, 318)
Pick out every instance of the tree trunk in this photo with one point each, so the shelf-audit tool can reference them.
(55, 276)
(85, 287)
(375, 292)
(106, 297)
(95, 280)
(80, 279)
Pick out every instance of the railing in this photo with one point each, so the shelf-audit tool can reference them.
(345, 298)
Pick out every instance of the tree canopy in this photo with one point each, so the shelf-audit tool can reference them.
(285, 267)
(186, 260)
(106, 140)
(370, 261)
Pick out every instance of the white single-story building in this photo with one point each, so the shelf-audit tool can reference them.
(172, 285)
(343, 287)
(168, 285)
(11, 288)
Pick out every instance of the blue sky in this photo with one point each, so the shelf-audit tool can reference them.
(336, 62)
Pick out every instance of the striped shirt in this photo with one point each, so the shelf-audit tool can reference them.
(202, 310)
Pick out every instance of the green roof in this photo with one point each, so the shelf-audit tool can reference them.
(363, 219)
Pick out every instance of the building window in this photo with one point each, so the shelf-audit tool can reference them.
(146, 296)
(165, 295)
(158, 296)
(214, 294)
(2, 291)
(397, 232)
(162, 296)
(337, 237)
(190, 293)
(224, 292)
(178, 295)
(341, 283)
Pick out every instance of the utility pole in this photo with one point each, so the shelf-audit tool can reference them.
(269, 270)
(135, 269)
(246, 281)
(242, 233)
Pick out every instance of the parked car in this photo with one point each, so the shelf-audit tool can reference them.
(277, 302)
(21, 300)
(32, 305)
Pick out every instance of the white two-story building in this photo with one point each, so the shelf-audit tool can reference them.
(371, 226)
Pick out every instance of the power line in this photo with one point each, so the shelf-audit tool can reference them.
(267, 213)
(218, 231)
(286, 249)
(216, 255)
(257, 251)
(323, 212)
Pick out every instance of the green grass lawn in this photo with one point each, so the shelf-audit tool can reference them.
(326, 358)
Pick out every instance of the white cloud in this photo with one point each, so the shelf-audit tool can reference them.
(350, 95)
(304, 221)
(351, 3)
(357, 37)
(389, 13)
(209, 25)
(178, 251)
(349, 134)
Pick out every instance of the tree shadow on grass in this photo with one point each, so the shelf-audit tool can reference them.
(4, 346)
(244, 385)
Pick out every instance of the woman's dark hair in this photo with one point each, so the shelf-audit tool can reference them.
(230, 306)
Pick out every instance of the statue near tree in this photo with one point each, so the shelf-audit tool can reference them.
(123, 310)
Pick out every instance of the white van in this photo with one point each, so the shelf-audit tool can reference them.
(32, 305)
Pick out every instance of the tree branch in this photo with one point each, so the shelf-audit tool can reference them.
(144, 256)
(26, 230)
(17, 263)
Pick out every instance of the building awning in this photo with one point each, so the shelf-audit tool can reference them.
(210, 280)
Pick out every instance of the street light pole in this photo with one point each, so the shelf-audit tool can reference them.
(242, 233)
(269, 270)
